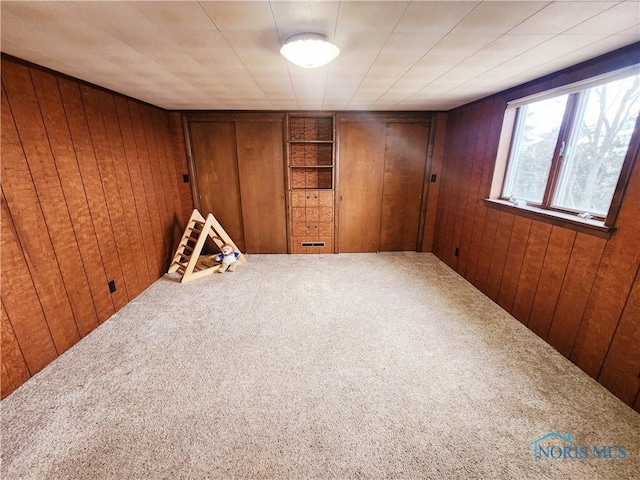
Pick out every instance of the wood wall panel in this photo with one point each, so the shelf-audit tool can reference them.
(215, 160)
(31, 228)
(77, 211)
(160, 130)
(463, 180)
(499, 254)
(490, 231)
(93, 187)
(381, 182)
(613, 282)
(163, 198)
(146, 246)
(493, 109)
(178, 146)
(360, 170)
(261, 169)
(28, 118)
(581, 272)
(455, 186)
(575, 290)
(14, 367)
(127, 206)
(472, 188)
(530, 271)
(513, 263)
(620, 370)
(238, 165)
(97, 131)
(551, 278)
(444, 227)
(402, 185)
(66, 163)
(153, 203)
(434, 187)
(21, 300)
(168, 170)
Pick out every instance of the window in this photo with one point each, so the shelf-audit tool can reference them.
(565, 150)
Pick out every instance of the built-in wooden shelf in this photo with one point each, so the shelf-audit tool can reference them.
(311, 166)
(310, 160)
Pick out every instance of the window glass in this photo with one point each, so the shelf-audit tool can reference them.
(534, 142)
(596, 149)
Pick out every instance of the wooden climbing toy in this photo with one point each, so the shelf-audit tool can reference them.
(188, 259)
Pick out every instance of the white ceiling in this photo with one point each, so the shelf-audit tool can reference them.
(396, 55)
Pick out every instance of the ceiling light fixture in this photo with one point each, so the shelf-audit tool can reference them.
(309, 50)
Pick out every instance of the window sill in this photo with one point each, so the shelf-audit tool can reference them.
(591, 227)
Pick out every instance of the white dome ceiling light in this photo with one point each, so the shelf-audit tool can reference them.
(309, 50)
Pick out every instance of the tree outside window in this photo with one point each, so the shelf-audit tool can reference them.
(567, 151)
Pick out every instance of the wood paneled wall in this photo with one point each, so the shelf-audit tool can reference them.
(578, 292)
(92, 191)
(434, 179)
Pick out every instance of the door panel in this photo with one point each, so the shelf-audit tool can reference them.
(261, 169)
(361, 164)
(213, 147)
(404, 164)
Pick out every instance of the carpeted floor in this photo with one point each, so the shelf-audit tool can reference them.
(339, 366)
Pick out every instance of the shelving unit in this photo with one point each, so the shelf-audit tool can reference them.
(311, 173)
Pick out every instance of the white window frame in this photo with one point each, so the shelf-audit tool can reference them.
(597, 224)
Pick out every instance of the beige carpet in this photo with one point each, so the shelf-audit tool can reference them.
(337, 366)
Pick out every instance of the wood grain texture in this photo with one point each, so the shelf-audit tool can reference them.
(434, 187)
(531, 270)
(215, 158)
(165, 202)
(446, 209)
(148, 263)
(361, 170)
(93, 187)
(178, 146)
(66, 163)
(490, 232)
(494, 108)
(28, 184)
(14, 368)
(122, 174)
(613, 282)
(69, 214)
(95, 120)
(463, 177)
(404, 164)
(173, 230)
(621, 368)
(569, 287)
(453, 226)
(552, 276)
(261, 170)
(513, 263)
(21, 300)
(477, 161)
(576, 288)
(499, 254)
(152, 197)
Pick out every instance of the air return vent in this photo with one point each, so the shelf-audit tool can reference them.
(312, 244)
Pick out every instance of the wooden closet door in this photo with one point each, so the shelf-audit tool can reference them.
(213, 146)
(361, 163)
(404, 164)
(261, 169)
